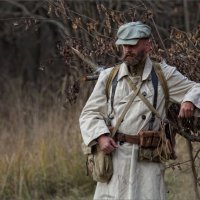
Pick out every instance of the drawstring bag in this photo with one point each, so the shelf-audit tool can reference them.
(99, 165)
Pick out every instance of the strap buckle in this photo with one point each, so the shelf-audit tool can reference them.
(121, 138)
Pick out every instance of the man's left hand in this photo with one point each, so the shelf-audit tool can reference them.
(186, 110)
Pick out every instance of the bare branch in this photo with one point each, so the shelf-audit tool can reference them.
(194, 172)
(23, 8)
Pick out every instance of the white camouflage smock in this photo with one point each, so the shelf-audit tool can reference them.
(133, 180)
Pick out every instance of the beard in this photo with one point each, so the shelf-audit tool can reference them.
(132, 59)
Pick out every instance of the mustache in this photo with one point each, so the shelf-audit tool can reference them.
(128, 55)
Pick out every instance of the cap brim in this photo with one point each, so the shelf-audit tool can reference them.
(126, 42)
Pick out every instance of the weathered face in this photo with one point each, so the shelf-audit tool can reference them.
(134, 54)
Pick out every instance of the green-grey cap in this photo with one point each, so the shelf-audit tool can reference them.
(131, 32)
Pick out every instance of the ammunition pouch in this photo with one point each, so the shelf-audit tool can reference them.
(149, 139)
(155, 146)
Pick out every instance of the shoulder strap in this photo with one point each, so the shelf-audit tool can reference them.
(136, 92)
(159, 74)
(154, 79)
(148, 104)
(114, 86)
(163, 82)
(111, 76)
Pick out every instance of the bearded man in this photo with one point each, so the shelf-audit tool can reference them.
(133, 179)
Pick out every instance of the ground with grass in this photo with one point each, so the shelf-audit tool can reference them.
(41, 157)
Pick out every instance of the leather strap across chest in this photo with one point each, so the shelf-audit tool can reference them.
(136, 91)
(148, 104)
(156, 75)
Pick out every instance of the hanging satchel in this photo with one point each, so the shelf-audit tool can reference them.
(99, 165)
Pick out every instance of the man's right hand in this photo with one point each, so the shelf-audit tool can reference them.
(106, 144)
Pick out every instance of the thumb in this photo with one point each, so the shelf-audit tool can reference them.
(113, 143)
(180, 115)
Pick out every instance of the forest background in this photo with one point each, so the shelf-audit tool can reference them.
(42, 89)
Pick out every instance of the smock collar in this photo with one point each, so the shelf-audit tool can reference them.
(123, 70)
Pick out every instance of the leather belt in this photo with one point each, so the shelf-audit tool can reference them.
(121, 137)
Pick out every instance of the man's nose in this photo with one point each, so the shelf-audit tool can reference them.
(128, 47)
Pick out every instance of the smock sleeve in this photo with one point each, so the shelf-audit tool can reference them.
(181, 89)
(92, 118)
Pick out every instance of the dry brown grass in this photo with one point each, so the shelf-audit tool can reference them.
(180, 178)
(41, 158)
(40, 154)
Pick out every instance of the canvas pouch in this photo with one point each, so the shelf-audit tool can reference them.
(155, 146)
(99, 165)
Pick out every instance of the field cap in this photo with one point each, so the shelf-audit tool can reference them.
(131, 32)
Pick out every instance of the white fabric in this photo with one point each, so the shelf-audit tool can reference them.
(133, 180)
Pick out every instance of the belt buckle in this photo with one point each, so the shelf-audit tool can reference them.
(121, 137)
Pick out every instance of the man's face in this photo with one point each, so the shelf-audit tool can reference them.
(134, 54)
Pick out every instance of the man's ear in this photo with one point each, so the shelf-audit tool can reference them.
(148, 45)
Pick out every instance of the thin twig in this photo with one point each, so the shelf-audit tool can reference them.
(166, 52)
(196, 49)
